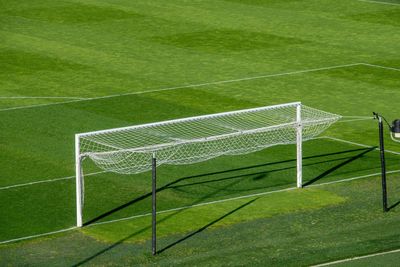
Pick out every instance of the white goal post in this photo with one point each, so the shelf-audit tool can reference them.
(140, 148)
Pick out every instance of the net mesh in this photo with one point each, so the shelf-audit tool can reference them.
(129, 150)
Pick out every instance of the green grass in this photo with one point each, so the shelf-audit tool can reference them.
(96, 48)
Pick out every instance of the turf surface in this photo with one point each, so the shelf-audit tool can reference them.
(76, 66)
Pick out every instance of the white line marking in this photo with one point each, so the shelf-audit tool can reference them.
(37, 182)
(379, 2)
(379, 66)
(353, 178)
(188, 86)
(47, 181)
(200, 204)
(35, 236)
(356, 258)
(41, 97)
(356, 144)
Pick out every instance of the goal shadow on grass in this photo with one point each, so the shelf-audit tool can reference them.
(121, 241)
(206, 226)
(258, 175)
(348, 159)
(394, 205)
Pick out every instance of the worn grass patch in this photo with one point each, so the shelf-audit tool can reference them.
(215, 215)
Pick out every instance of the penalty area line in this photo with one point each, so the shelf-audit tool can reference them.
(146, 91)
(356, 144)
(36, 236)
(47, 181)
(42, 97)
(196, 205)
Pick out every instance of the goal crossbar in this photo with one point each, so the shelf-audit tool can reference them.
(194, 118)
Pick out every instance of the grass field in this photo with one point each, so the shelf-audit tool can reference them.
(82, 65)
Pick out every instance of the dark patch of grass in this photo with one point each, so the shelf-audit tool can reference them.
(224, 40)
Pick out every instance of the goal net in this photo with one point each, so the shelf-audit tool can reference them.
(129, 150)
(143, 147)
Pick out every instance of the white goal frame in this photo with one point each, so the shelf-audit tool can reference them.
(297, 124)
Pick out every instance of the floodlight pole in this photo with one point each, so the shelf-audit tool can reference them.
(79, 182)
(299, 140)
(383, 163)
(154, 206)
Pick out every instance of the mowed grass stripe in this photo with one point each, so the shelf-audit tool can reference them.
(88, 53)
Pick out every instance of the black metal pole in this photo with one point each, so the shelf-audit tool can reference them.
(154, 207)
(383, 164)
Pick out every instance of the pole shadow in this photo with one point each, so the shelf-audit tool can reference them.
(327, 172)
(121, 241)
(205, 226)
(394, 205)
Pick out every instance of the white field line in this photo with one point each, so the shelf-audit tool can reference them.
(198, 85)
(198, 205)
(47, 181)
(41, 97)
(379, 2)
(190, 86)
(356, 258)
(353, 178)
(379, 66)
(356, 144)
(39, 235)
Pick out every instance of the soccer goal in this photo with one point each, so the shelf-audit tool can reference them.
(141, 148)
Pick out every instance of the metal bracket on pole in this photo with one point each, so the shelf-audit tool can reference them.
(299, 143)
(154, 206)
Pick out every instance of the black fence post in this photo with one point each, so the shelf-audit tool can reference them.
(383, 164)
